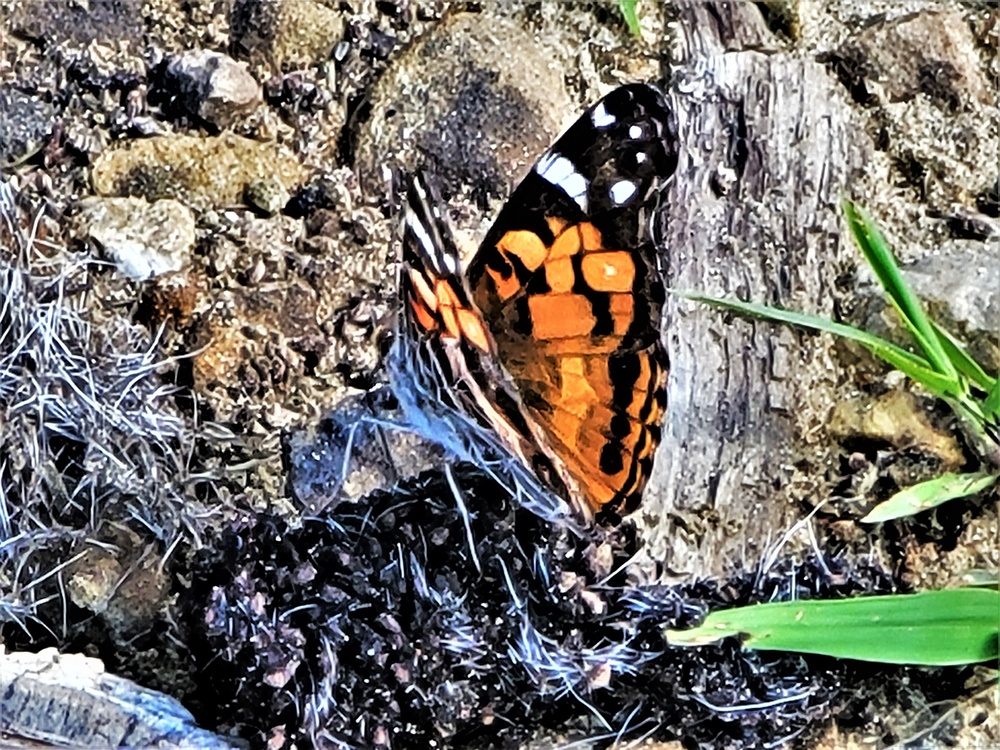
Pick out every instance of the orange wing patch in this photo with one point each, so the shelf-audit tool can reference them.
(608, 272)
(566, 244)
(601, 414)
(560, 316)
(622, 309)
(559, 274)
(599, 404)
(607, 424)
(436, 307)
(472, 329)
(425, 318)
(526, 246)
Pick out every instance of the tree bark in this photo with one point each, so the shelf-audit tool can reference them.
(68, 700)
(766, 150)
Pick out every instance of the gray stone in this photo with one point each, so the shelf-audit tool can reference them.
(25, 122)
(93, 20)
(213, 87)
(962, 282)
(476, 101)
(144, 239)
(266, 195)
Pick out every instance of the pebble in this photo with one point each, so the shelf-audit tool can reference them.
(143, 239)
(212, 87)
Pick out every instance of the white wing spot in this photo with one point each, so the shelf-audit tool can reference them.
(635, 131)
(621, 191)
(420, 232)
(601, 117)
(560, 171)
(450, 263)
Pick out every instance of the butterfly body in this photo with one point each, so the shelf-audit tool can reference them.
(543, 357)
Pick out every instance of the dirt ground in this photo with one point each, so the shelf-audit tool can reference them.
(197, 267)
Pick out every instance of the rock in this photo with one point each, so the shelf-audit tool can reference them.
(931, 52)
(963, 279)
(266, 196)
(93, 580)
(895, 418)
(83, 21)
(25, 122)
(212, 87)
(144, 239)
(120, 582)
(477, 100)
(202, 172)
(280, 35)
(932, 110)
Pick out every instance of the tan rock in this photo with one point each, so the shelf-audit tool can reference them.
(478, 100)
(144, 239)
(896, 418)
(284, 34)
(202, 172)
(93, 580)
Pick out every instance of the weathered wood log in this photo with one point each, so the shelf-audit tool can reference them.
(767, 149)
(68, 700)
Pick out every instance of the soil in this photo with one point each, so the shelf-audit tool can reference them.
(200, 481)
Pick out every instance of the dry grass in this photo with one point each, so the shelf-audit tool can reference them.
(89, 433)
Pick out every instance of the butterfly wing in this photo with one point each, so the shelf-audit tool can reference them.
(444, 368)
(567, 282)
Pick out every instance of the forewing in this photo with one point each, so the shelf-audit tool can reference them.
(567, 281)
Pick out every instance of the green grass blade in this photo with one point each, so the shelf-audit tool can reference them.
(628, 11)
(991, 406)
(930, 494)
(935, 628)
(880, 258)
(966, 365)
(912, 365)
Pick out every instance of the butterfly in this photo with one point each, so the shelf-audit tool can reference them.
(541, 361)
